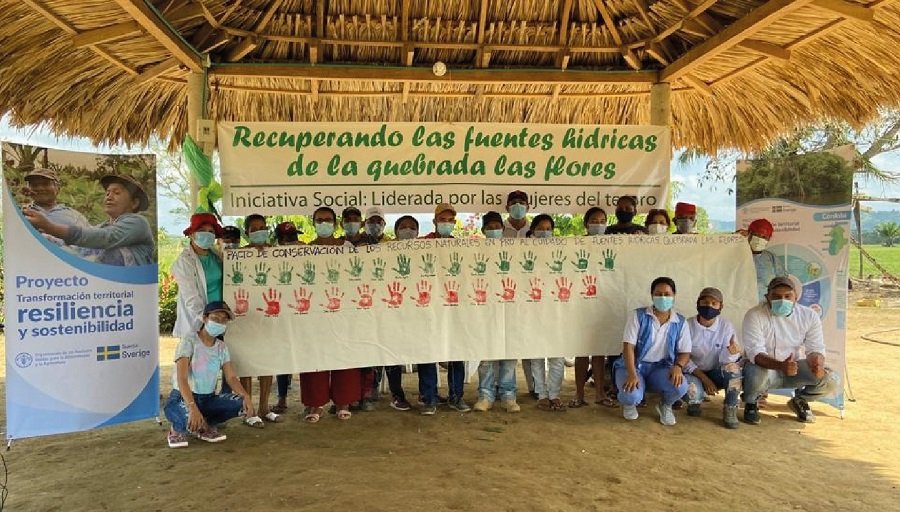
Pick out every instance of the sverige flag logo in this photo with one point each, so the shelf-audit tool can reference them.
(108, 352)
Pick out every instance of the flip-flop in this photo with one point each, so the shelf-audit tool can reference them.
(556, 405)
(344, 414)
(543, 404)
(271, 417)
(607, 401)
(254, 421)
(576, 403)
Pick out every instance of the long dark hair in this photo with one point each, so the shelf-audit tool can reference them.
(537, 220)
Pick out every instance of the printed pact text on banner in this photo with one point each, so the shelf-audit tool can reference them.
(288, 168)
(304, 308)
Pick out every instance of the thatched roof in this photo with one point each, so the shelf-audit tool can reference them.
(741, 71)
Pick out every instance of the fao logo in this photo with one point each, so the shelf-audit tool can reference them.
(24, 360)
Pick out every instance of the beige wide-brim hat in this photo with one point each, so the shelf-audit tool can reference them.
(131, 184)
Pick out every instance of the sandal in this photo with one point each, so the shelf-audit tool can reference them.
(344, 414)
(313, 414)
(543, 404)
(610, 400)
(576, 403)
(254, 421)
(556, 405)
(271, 417)
(278, 409)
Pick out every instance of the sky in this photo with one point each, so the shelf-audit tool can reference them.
(714, 197)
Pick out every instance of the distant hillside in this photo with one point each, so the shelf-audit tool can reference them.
(871, 219)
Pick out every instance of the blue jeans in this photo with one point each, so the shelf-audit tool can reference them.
(548, 376)
(214, 408)
(729, 381)
(456, 379)
(652, 377)
(487, 379)
(284, 383)
(395, 382)
(758, 380)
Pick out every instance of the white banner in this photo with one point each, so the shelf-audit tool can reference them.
(283, 168)
(82, 336)
(303, 308)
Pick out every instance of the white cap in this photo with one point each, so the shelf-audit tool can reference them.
(375, 212)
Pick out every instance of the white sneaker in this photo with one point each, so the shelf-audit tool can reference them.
(483, 405)
(630, 412)
(666, 414)
(510, 405)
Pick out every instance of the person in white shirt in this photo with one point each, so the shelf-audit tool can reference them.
(656, 348)
(714, 357)
(785, 348)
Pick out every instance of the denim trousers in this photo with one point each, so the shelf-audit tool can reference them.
(214, 408)
(548, 375)
(758, 380)
(494, 374)
(456, 379)
(729, 381)
(654, 378)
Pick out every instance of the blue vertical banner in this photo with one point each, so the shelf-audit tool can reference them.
(80, 289)
(807, 200)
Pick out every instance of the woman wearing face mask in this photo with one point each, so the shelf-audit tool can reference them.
(655, 350)
(351, 221)
(374, 227)
(339, 386)
(595, 224)
(714, 357)
(406, 228)
(258, 234)
(657, 222)
(547, 374)
(198, 272)
(626, 209)
(193, 407)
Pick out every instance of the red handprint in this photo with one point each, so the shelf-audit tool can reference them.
(241, 302)
(365, 296)
(480, 288)
(273, 303)
(451, 289)
(424, 297)
(395, 290)
(509, 290)
(302, 304)
(536, 292)
(590, 286)
(564, 289)
(334, 299)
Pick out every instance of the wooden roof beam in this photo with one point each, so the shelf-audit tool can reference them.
(643, 10)
(150, 21)
(128, 28)
(630, 58)
(562, 58)
(699, 85)
(767, 49)
(250, 43)
(422, 74)
(846, 9)
(157, 70)
(730, 36)
(480, 60)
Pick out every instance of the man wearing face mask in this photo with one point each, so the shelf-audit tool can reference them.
(626, 208)
(685, 219)
(517, 206)
(374, 228)
(768, 266)
(256, 230)
(351, 221)
(444, 222)
(406, 228)
(492, 227)
(774, 333)
(714, 357)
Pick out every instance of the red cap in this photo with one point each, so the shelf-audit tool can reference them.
(685, 209)
(200, 219)
(762, 227)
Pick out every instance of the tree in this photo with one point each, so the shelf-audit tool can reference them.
(815, 178)
(889, 232)
(174, 178)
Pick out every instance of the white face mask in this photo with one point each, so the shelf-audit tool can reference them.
(657, 229)
(758, 244)
(685, 225)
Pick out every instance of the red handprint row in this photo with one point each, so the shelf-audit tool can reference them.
(365, 295)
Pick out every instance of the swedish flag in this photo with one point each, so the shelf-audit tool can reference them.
(108, 352)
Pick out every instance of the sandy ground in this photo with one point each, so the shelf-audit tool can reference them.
(584, 459)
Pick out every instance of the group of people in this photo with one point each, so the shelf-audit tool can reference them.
(683, 359)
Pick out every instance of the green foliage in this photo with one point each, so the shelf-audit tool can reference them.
(168, 298)
(889, 232)
(815, 178)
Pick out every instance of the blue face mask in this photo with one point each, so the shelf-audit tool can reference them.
(215, 329)
(324, 229)
(204, 239)
(596, 229)
(374, 229)
(541, 233)
(445, 228)
(260, 237)
(518, 211)
(708, 312)
(782, 307)
(407, 233)
(351, 228)
(663, 303)
(493, 233)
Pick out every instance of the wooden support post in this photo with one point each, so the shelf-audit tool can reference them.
(196, 98)
(661, 104)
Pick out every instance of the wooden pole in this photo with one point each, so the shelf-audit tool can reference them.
(196, 106)
(661, 115)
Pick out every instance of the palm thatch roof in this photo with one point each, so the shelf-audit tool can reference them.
(741, 71)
